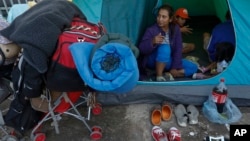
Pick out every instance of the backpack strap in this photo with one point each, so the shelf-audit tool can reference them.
(20, 80)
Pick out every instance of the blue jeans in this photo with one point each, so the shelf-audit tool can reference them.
(163, 54)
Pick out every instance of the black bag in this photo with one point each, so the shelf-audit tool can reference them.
(21, 116)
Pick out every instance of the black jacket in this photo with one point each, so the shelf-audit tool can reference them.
(37, 30)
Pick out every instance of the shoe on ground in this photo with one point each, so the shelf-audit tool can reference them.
(174, 134)
(181, 115)
(166, 111)
(193, 114)
(160, 79)
(168, 76)
(40, 104)
(156, 116)
(158, 134)
(198, 76)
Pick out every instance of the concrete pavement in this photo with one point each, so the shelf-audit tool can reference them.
(130, 123)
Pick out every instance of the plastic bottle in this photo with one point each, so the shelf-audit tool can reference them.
(219, 95)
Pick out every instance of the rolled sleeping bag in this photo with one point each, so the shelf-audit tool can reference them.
(110, 68)
(115, 38)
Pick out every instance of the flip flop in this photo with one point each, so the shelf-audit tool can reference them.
(193, 114)
(166, 111)
(156, 115)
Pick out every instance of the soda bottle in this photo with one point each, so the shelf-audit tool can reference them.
(219, 95)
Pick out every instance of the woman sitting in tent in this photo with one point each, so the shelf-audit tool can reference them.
(161, 48)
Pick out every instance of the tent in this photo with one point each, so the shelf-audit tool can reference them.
(131, 17)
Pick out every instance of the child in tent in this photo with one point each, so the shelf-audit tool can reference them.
(223, 32)
(223, 56)
(161, 48)
(180, 17)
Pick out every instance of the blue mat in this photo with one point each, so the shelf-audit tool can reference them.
(113, 66)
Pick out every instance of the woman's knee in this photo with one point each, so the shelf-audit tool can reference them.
(163, 53)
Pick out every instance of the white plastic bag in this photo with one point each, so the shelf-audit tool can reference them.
(230, 114)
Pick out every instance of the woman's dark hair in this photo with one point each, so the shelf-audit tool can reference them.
(170, 10)
(224, 51)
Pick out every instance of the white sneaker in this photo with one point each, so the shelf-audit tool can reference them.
(198, 76)
(160, 78)
(192, 113)
(169, 76)
(181, 115)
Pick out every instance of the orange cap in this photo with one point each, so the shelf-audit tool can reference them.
(182, 12)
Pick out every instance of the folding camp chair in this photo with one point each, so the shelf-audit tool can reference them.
(67, 103)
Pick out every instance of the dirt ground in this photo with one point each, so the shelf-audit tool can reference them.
(128, 123)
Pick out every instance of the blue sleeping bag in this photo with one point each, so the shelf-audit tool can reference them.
(111, 67)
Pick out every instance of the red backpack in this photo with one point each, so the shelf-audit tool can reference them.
(62, 74)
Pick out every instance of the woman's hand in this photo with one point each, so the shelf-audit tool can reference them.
(158, 39)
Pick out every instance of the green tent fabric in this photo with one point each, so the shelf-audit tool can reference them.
(121, 16)
(202, 7)
(91, 9)
(118, 16)
(128, 17)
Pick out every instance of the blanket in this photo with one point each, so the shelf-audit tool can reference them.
(108, 66)
(37, 30)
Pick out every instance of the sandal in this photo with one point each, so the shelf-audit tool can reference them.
(166, 111)
(156, 116)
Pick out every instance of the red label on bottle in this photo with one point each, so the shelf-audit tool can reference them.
(219, 98)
